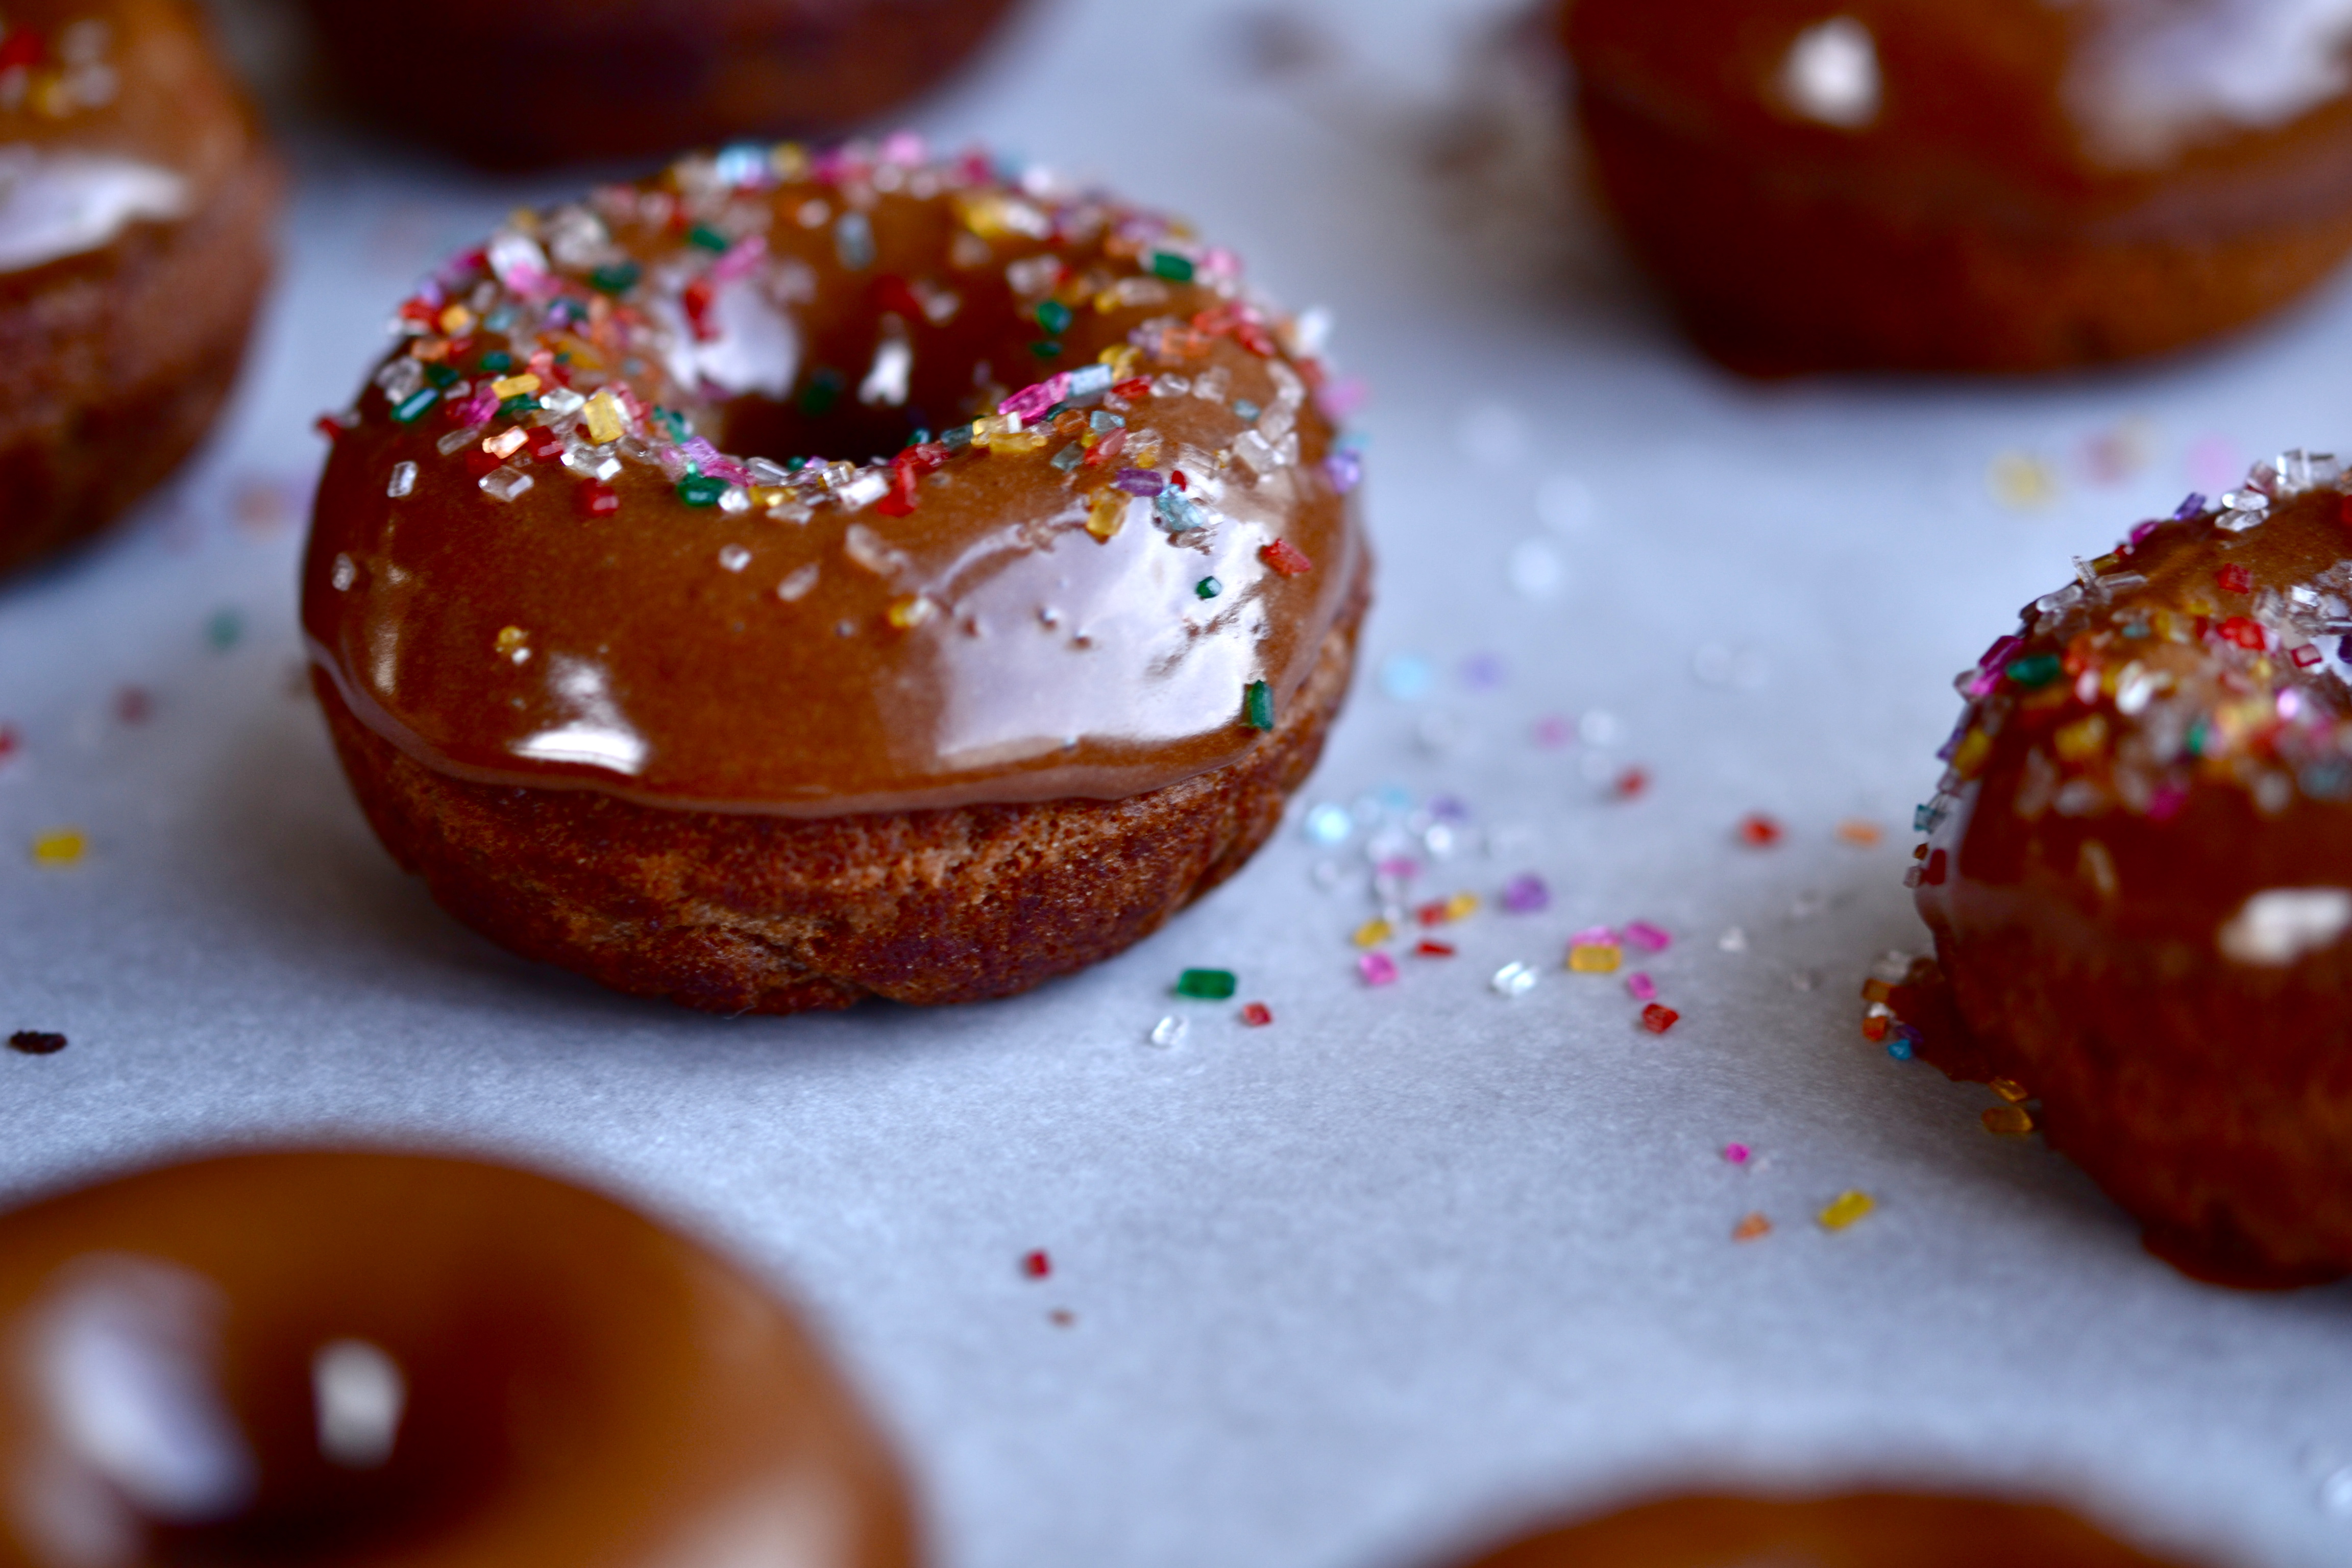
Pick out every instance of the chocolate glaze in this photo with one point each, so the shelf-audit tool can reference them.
(333, 1358)
(2139, 876)
(658, 659)
(1870, 1530)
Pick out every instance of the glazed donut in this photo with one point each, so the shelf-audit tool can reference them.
(1868, 1529)
(136, 199)
(609, 79)
(345, 1357)
(779, 731)
(2140, 875)
(2010, 186)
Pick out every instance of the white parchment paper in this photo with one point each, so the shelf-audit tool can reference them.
(1346, 1291)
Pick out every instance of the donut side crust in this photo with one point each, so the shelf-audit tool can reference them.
(113, 369)
(733, 912)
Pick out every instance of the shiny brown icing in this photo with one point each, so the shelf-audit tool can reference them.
(332, 1358)
(827, 648)
(2139, 874)
(1869, 1529)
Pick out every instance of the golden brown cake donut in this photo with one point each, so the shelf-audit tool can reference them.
(343, 1357)
(2140, 875)
(2004, 185)
(1025, 606)
(1865, 1529)
(136, 199)
(609, 79)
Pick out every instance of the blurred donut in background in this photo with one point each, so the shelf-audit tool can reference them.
(1873, 1529)
(2006, 186)
(136, 203)
(522, 86)
(325, 1358)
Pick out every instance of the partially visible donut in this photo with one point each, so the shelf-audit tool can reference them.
(2140, 875)
(136, 200)
(2000, 185)
(1865, 1529)
(615, 78)
(934, 689)
(336, 1358)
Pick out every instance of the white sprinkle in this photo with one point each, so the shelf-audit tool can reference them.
(2279, 925)
(797, 583)
(1513, 979)
(346, 572)
(1831, 75)
(360, 1396)
(886, 382)
(734, 558)
(1170, 1032)
(735, 498)
(863, 491)
(507, 483)
(402, 481)
(456, 438)
(1733, 940)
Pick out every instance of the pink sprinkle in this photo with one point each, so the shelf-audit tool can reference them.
(1593, 936)
(1736, 1153)
(1553, 732)
(1642, 986)
(1032, 401)
(741, 259)
(1647, 937)
(904, 148)
(1219, 262)
(2166, 801)
(1399, 867)
(1342, 396)
(1377, 968)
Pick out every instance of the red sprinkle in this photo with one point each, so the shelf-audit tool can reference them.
(329, 427)
(1658, 1019)
(1434, 949)
(900, 502)
(598, 498)
(1631, 783)
(1759, 830)
(1934, 873)
(10, 739)
(2235, 579)
(1139, 387)
(1286, 558)
(2243, 630)
(1257, 1015)
(1176, 477)
(1037, 1264)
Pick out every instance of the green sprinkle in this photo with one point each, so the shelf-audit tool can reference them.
(1206, 984)
(225, 629)
(441, 375)
(1054, 317)
(2035, 670)
(2197, 735)
(701, 490)
(957, 439)
(518, 405)
(498, 360)
(1257, 705)
(1246, 409)
(1169, 265)
(821, 394)
(411, 408)
(499, 320)
(616, 277)
(1068, 457)
(1046, 348)
(709, 239)
(1208, 587)
(794, 464)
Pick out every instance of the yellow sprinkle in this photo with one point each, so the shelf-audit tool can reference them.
(1142, 449)
(1595, 957)
(2083, 739)
(504, 443)
(1016, 441)
(1372, 933)
(1750, 1229)
(514, 643)
(2007, 1120)
(53, 95)
(2021, 480)
(1107, 513)
(1122, 358)
(1969, 760)
(1847, 1208)
(514, 386)
(1461, 906)
(2010, 1089)
(911, 611)
(60, 846)
(603, 418)
(456, 321)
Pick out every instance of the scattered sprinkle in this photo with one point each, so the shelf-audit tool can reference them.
(60, 846)
(1037, 1264)
(1759, 830)
(1513, 979)
(1594, 957)
(1658, 1019)
(1377, 968)
(1170, 1032)
(1206, 984)
(1257, 1015)
(1845, 1208)
(1750, 1227)
(2022, 481)
(1733, 940)
(1407, 677)
(37, 1042)
(1526, 893)
(1061, 1317)
(1434, 949)
(1861, 835)
(1641, 987)
(1647, 937)
(1372, 933)
(1736, 1153)
(1631, 783)
(1330, 825)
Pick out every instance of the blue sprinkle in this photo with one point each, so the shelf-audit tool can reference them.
(1089, 380)
(2193, 506)
(1330, 825)
(853, 240)
(1407, 677)
(1176, 514)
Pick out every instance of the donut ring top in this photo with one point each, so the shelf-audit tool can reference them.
(2156, 116)
(111, 114)
(332, 1358)
(834, 483)
(2166, 746)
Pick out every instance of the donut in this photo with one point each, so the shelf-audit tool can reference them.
(333, 1357)
(1865, 1530)
(614, 78)
(2005, 187)
(2138, 873)
(136, 200)
(795, 578)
